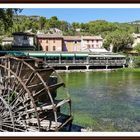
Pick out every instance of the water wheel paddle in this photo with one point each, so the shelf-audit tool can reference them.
(28, 97)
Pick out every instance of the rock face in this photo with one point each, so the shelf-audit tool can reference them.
(29, 100)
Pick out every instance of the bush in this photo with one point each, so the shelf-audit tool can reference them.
(136, 62)
(6, 47)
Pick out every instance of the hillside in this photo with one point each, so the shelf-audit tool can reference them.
(96, 27)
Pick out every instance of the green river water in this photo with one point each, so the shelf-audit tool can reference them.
(105, 101)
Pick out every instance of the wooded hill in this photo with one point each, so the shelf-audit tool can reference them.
(118, 34)
(97, 27)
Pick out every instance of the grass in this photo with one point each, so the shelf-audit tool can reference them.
(130, 69)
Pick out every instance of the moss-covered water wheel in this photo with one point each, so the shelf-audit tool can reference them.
(28, 97)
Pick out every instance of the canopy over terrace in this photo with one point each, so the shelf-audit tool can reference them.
(58, 54)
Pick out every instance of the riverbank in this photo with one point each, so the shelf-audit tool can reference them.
(130, 69)
(101, 70)
(91, 70)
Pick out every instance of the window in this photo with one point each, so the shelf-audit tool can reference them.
(46, 48)
(75, 42)
(53, 48)
(87, 41)
(88, 46)
(46, 41)
(97, 41)
(25, 37)
(53, 41)
(40, 41)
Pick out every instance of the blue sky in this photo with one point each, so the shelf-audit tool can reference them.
(87, 14)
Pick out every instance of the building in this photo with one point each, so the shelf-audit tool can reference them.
(57, 43)
(50, 42)
(72, 43)
(7, 40)
(23, 41)
(91, 42)
(136, 39)
(56, 30)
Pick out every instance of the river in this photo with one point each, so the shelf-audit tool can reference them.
(105, 101)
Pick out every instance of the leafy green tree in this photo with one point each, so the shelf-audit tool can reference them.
(6, 16)
(42, 21)
(54, 18)
(137, 29)
(119, 39)
(54, 22)
(137, 48)
(136, 62)
(75, 25)
(6, 47)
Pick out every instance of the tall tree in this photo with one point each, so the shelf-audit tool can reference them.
(137, 48)
(42, 21)
(6, 16)
(75, 25)
(119, 40)
(137, 29)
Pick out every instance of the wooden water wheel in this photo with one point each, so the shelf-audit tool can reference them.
(28, 97)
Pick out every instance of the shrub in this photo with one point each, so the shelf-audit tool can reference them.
(6, 47)
(136, 62)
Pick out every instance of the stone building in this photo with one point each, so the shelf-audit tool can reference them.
(72, 43)
(23, 41)
(91, 42)
(50, 42)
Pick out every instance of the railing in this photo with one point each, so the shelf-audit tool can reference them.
(66, 61)
(52, 61)
(89, 62)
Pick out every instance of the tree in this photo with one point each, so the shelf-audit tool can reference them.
(137, 29)
(7, 47)
(54, 22)
(6, 16)
(119, 39)
(54, 18)
(137, 48)
(42, 21)
(75, 25)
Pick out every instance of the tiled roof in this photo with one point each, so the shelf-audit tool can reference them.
(24, 33)
(49, 36)
(7, 39)
(72, 37)
(92, 37)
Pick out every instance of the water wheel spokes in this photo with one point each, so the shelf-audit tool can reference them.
(28, 97)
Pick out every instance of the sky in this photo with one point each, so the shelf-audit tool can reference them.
(86, 14)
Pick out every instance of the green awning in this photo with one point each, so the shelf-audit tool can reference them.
(37, 54)
(67, 55)
(96, 56)
(108, 56)
(52, 54)
(81, 55)
(115, 56)
(17, 53)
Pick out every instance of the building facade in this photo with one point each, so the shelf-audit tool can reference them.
(57, 43)
(7, 40)
(50, 42)
(91, 42)
(23, 41)
(72, 43)
(136, 39)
